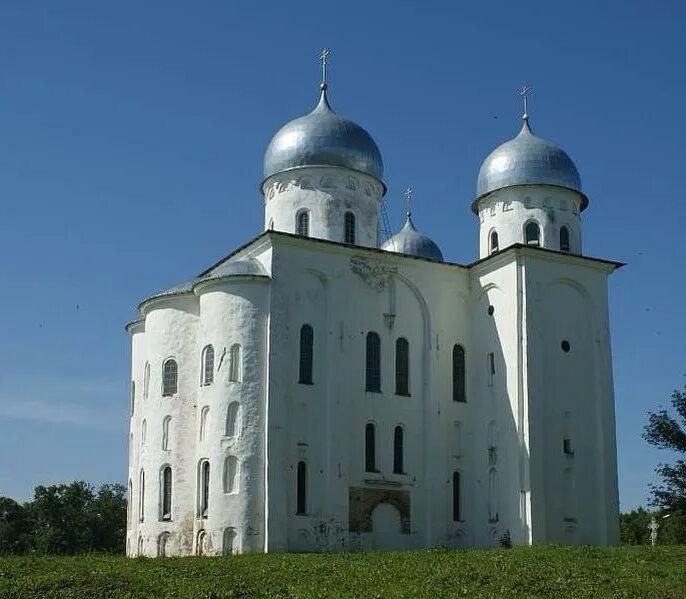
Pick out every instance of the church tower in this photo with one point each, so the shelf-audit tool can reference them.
(323, 177)
(529, 192)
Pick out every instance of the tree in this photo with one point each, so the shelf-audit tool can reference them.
(13, 538)
(65, 519)
(668, 431)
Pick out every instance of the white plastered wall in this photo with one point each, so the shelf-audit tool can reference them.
(326, 193)
(508, 210)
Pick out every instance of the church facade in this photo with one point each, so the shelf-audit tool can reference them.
(319, 390)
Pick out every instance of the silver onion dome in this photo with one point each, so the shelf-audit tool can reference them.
(323, 138)
(527, 160)
(411, 242)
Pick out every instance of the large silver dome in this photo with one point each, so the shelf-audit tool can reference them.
(323, 138)
(411, 242)
(527, 160)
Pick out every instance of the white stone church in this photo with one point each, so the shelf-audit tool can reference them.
(320, 389)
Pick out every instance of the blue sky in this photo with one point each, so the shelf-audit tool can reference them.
(131, 142)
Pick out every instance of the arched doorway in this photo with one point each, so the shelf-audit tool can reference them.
(387, 527)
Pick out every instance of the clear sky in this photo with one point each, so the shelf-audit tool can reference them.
(131, 143)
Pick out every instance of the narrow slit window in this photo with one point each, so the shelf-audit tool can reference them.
(146, 380)
(398, 450)
(165, 433)
(459, 378)
(204, 489)
(490, 365)
(349, 226)
(402, 367)
(235, 365)
(370, 448)
(207, 365)
(301, 489)
(233, 419)
(141, 496)
(170, 378)
(373, 363)
(204, 415)
(457, 503)
(306, 354)
(166, 493)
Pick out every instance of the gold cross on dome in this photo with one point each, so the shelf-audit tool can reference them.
(525, 92)
(324, 57)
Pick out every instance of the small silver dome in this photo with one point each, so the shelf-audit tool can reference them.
(411, 242)
(323, 138)
(527, 160)
(236, 268)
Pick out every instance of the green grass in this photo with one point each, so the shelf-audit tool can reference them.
(522, 572)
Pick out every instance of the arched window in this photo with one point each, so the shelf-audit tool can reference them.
(228, 541)
(162, 542)
(232, 420)
(141, 495)
(146, 380)
(459, 379)
(564, 239)
(370, 448)
(373, 363)
(349, 228)
(235, 365)
(203, 488)
(494, 242)
(166, 494)
(532, 233)
(306, 355)
(302, 223)
(204, 415)
(402, 367)
(457, 507)
(207, 366)
(129, 501)
(231, 474)
(200, 543)
(133, 397)
(144, 431)
(140, 545)
(398, 450)
(301, 489)
(170, 378)
(165, 433)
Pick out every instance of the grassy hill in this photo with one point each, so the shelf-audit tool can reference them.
(521, 572)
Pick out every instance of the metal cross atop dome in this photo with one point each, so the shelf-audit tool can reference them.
(408, 200)
(524, 92)
(324, 57)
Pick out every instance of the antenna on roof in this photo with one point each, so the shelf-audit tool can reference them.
(385, 224)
